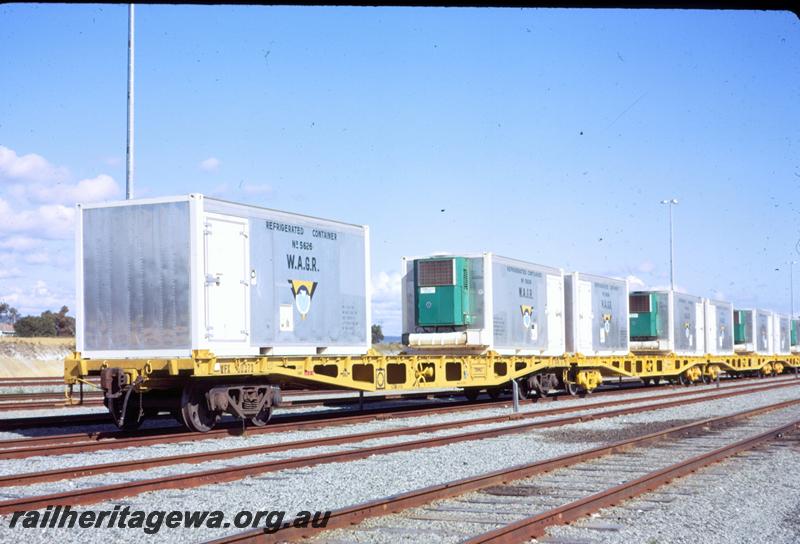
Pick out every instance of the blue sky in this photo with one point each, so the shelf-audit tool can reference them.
(545, 135)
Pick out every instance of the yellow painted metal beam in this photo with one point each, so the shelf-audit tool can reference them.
(377, 372)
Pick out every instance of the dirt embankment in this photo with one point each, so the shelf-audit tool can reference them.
(24, 357)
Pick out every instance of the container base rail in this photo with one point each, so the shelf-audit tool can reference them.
(197, 390)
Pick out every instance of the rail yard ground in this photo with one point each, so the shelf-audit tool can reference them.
(420, 452)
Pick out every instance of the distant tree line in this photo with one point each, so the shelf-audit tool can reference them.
(45, 324)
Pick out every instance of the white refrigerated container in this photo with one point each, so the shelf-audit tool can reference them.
(516, 307)
(596, 314)
(718, 326)
(162, 277)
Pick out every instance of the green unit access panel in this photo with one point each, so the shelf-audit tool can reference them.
(643, 308)
(795, 332)
(442, 292)
(739, 328)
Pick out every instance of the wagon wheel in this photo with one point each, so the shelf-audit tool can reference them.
(472, 393)
(196, 414)
(647, 382)
(263, 417)
(657, 380)
(683, 379)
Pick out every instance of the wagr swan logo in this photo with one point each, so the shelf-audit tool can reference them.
(527, 313)
(303, 292)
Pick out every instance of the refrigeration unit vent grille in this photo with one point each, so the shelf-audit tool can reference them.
(435, 273)
(639, 304)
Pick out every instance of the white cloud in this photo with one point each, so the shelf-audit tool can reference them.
(34, 298)
(6, 273)
(386, 309)
(102, 187)
(39, 257)
(635, 282)
(210, 164)
(30, 167)
(20, 243)
(52, 221)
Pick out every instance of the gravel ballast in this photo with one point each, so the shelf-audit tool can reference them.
(337, 485)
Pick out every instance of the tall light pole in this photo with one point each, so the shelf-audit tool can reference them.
(671, 202)
(129, 146)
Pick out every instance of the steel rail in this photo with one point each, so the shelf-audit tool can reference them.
(95, 400)
(195, 479)
(535, 526)
(60, 444)
(215, 455)
(351, 515)
(85, 442)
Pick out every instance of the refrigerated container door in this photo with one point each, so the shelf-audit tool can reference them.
(712, 330)
(585, 318)
(699, 330)
(227, 282)
(555, 320)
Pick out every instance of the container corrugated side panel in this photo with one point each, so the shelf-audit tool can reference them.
(570, 314)
(517, 287)
(408, 308)
(135, 279)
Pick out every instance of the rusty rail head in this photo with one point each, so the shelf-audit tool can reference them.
(354, 514)
(86, 442)
(124, 466)
(535, 526)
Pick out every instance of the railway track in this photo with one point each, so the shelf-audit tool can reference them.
(67, 420)
(558, 490)
(291, 398)
(85, 442)
(61, 444)
(90, 495)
